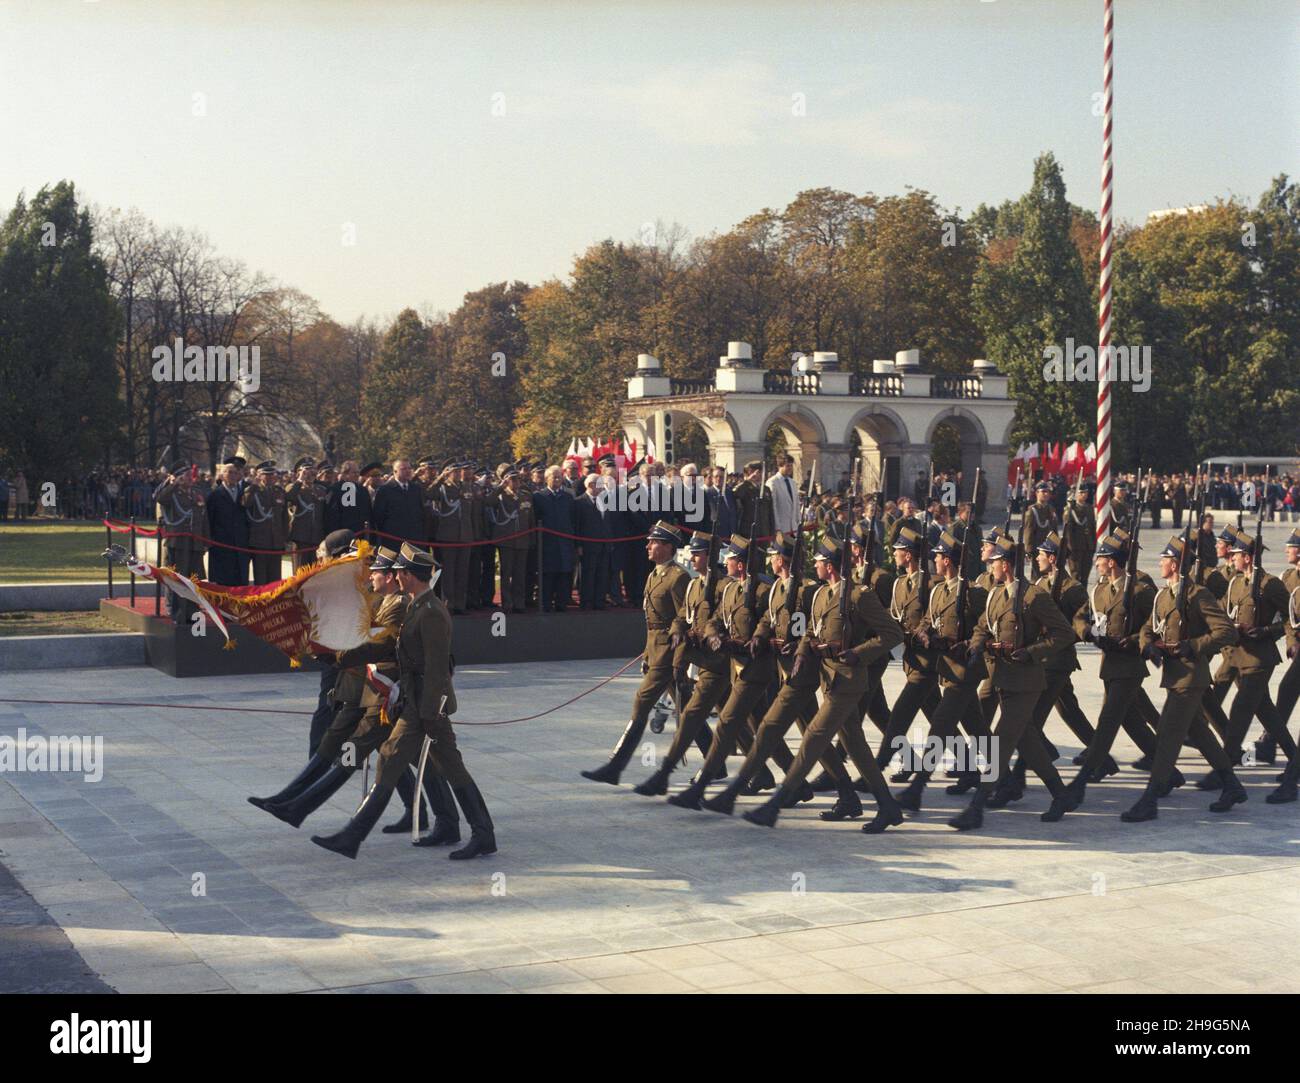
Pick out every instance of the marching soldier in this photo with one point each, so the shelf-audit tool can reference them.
(1181, 644)
(690, 638)
(306, 502)
(1105, 622)
(359, 727)
(183, 520)
(1020, 629)
(510, 521)
(841, 645)
(268, 521)
(1040, 517)
(731, 630)
(796, 701)
(1253, 603)
(427, 700)
(1079, 530)
(1290, 687)
(665, 591)
(946, 631)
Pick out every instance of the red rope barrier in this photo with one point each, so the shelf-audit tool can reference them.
(273, 710)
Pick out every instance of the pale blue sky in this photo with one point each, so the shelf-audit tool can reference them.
(324, 113)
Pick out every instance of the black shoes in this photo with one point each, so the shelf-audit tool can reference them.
(887, 816)
(348, 841)
(294, 811)
(1069, 799)
(1212, 781)
(444, 833)
(725, 802)
(1143, 764)
(1284, 794)
(691, 797)
(966, 781)
(608, 773)
(482, 839)
(1234, 793)
(613, 770)
(1108, 768)
(1266, 750)
(1175, 780)
(656, 785)
(1145, 809)
(972, 816)
(766, 814)
(910, 798)
(848, 807)
(761, 782)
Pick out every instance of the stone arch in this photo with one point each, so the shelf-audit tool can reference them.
(805, 433)
(883, 437)
(971, 432)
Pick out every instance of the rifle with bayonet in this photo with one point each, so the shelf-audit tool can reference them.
(1131, 564)
(751, 573)
(846, 564)
(796, 561)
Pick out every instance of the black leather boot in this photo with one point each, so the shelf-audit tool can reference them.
(1286, 792)
(611, 771)
(888, 814)
(910, 798)
(316, 766)
(1234, 793)
(1212, 781)
(1009, 788)
(1175, 780)
(348, 841)
(966, 781)
(1143, 764)
(482, 835)
(763, 781)
(293, 812)
(1069, 799)
(848, 806)
(446, 820)
(972, 816)
(406, 791)
(766, 813)
(1108, 768)
(691, 797)
(1145, 809)
(724, 802)
(657, 784)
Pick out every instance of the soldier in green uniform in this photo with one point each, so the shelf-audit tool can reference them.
(510, 520)
(842, 646)
(306, 502)
(183, 520)
(1079, 530)
(1289, 690)
(1181, 644)
(427, 701)
(267, 510)
(730, 631)
(358, 727)
(1121, 511)
(1020, 629)
(689, 638)
(1040, 517)
(1105, 622)
(779, 632)
(946, 631)
(1254, 602)
(451, 509)
(665, 591)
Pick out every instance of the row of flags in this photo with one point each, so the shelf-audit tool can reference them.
(1069, 460)
(624, 452)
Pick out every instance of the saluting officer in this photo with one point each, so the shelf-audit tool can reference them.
(183, 520)
(306, 501)
(510, 519)
(264, 502)
(451, 505)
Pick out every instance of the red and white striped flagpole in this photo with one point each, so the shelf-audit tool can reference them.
(1103, 312)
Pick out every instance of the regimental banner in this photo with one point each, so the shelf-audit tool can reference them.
(321, 607)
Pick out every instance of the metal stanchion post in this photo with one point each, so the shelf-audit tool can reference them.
(133, 554)
(108, 535)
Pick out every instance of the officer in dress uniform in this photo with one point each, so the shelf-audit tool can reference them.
(183, 519)
(510, 525)
(665, 590)
(266, 507)
(1040, 517)
(451, 504)
(428, 699)
(306, 500)
(1079, 529)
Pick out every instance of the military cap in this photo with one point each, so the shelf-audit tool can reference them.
(907, 539)
(1004, 548)
(828, 549)
(372, 468)
(426, 462)
(606, 460)
(781, 545)
(736, 549)
(306, 460)
(510, 473)
(1114, 545)
(325, 464)
(994, 534)
(1050, 544)
(1174, 548)
(1228, 535)
(336, 543)
(502, 469)
(666, 532)
(1244, 543)
(700, 542)
(946, 545)
(416, 561)
(267, 467)
(383, 559)
(1121, 484)
(235, 460)
(757, 464)
(1294, 539)
(1042, 487)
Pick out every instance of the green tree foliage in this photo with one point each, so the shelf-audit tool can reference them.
(397, 403)
(59, 405)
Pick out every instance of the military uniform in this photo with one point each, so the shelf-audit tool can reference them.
(183, 520)
(510, 522)
(920, 664)
(268, 522)
(306, 504)
(1166, 636)
(1069, 595)
(451, 508)
(1079, 529)
(1040, 521)
(662, 600)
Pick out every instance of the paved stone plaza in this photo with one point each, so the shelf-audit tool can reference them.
(594, 888)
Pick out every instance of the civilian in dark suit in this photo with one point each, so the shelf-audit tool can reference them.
(399, 507)
(553, 508)
(347, 507)
(594, 521)
(228, 526)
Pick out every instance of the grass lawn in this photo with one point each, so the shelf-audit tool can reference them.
(54, 624)
(59, 552)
